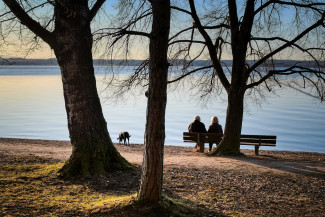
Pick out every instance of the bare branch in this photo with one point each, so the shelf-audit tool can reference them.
(211, 48)
(180, 32)
(136, 33)
(233, 18)
(26, 20)
(187, 41)
(189, 73)
(196, 57)
(117, 31)
(292, 3)
(180, 9)
(288, 71)
(126, 32)
(194, 27)
(29, 10)
(288, 44)
(287, 41)
(95, 9)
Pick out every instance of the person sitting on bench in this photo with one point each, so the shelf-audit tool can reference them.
(198, 127)
(215, 127)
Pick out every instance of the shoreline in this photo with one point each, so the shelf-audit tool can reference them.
(42, 141)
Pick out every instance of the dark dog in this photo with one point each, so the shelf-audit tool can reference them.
(124, 136)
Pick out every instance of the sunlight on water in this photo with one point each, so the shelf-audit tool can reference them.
(32, 106)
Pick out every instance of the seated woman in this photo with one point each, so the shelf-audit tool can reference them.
(215, 127)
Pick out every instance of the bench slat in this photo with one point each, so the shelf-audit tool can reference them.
(262, 144)
(189, 133)
(188, 141)
(189, 137)
(258, 136)
(244, 140)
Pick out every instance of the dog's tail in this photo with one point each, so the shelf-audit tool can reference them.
(129, 135)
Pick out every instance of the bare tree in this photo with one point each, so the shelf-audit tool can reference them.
(69, 34)
(136, 17)
(253, 34)
(152, 167)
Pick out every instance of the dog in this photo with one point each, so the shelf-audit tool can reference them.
(123, 137)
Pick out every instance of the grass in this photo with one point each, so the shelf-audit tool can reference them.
(36, 190)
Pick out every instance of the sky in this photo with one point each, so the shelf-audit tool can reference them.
(139, 50)
(13, 48)
(44, 53)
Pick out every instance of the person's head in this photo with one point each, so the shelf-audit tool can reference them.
(214, 120)
(197, 118)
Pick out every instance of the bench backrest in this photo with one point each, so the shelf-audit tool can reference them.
(202, 137)
(264, 140)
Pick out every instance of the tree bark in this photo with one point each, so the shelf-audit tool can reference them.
(152, 167)
(93, 151)
(230, 143)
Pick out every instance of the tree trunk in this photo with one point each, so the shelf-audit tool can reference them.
(230, 143)
(93, 151)
(152, 167)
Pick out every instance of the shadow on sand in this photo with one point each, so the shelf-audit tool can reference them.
(309, 164)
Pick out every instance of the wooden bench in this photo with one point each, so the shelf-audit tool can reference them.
(202, 138)
(255, 140)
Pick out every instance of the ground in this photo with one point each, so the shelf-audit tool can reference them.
(275, 183)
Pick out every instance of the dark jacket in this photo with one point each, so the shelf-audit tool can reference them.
(197, 127)
(215, 128)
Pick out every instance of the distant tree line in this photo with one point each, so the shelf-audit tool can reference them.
(130, 62)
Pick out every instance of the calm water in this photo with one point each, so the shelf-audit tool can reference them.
(32, 106)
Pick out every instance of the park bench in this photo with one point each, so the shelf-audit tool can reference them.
(202, 138)
(254, 140)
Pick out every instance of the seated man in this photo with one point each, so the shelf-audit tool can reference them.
(198, 127)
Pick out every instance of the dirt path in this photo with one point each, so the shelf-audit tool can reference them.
(178, 156)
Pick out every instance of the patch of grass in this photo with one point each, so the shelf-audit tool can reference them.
(168, 206)
(35, 190)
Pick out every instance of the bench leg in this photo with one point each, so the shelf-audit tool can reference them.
(256, 149)
(202, 147)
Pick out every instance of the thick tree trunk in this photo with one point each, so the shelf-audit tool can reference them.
(93, 151)
(152, 167)
(230, 143)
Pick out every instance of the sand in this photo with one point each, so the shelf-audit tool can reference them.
(278, 162)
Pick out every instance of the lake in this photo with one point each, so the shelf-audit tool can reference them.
(32, 106)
